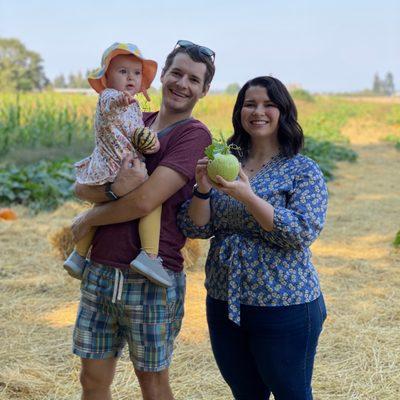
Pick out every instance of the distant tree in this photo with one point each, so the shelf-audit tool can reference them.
(388, 84)
(20, 68)
(377, 85)
(72, 81)
(59, 81)
(232, 88)
(302, 94)
(78, 81)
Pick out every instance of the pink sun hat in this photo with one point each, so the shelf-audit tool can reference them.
(149, 67)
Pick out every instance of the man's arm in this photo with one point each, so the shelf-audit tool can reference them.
(161, 185)
(131, 175)
(93, 194)
(177, 167)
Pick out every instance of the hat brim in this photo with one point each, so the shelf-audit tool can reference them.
(149, 70)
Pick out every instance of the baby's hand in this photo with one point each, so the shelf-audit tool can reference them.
(125, 99)
(153, 149)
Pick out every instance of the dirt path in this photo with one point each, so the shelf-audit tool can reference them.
(359, 353)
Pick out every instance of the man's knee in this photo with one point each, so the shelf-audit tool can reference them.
(154, 385)
(147, 377)
(97, 374)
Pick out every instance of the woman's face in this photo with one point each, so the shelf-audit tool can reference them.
(259, 115)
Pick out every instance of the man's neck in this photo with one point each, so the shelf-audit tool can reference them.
(165, 118)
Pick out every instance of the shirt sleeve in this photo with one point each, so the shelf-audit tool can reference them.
(185, 150)
(108, 100)
(300, 222)
(189, 228)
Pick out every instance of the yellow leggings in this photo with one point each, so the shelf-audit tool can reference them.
(149, 232)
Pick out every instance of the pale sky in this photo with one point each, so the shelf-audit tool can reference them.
(331, 45)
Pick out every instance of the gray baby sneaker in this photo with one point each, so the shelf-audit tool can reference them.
(152, 269)
(75, 264)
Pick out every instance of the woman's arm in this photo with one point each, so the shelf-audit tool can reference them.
(261, 210)
(241, 190)
(301, 220)
(194, 216)
(199, 210)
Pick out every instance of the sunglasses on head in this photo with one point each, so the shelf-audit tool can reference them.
(203, 50)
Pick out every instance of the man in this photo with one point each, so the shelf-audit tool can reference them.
(117, 305)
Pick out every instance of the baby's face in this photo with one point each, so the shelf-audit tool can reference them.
(125, 74)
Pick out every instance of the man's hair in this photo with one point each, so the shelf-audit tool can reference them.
(197, 56)
(290, 133)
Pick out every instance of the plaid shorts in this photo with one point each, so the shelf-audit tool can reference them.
(115, 311)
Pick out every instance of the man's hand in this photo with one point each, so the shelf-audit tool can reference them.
(132, 174)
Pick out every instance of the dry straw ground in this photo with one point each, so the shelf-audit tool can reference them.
(359, 353)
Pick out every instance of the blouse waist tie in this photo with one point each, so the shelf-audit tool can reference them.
(234, 277)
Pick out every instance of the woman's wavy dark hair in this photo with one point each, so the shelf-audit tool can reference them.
(290, 134)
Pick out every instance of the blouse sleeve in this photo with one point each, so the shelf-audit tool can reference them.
(300, 222)
(189, 228)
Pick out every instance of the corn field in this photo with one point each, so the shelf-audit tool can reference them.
(34, 120)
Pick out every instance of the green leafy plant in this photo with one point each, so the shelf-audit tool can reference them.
(218, 146)
(41, 186)
(396, 241)
(327, 154)
(394, 139)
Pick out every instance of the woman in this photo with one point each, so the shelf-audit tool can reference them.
(265, 309)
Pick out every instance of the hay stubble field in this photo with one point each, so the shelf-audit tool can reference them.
(359, 352)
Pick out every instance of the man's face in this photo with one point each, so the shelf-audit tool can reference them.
(183, 84)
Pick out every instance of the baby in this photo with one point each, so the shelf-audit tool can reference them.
(119, 130)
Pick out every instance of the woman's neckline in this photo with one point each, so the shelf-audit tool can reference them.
(255, 171)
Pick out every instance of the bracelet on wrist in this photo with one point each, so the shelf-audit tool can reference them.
(109, 193)
(200, 195)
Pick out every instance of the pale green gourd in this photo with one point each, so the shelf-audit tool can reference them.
(225, 165)
(221, 161)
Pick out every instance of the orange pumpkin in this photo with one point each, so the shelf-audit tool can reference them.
(7, 214)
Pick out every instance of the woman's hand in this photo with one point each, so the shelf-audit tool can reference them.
(204, 184)
(132, 174)
(239, 189)
(80, 227)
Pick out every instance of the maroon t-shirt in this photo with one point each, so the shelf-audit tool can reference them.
(117, 245)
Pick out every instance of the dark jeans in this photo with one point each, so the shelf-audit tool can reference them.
(272, 351)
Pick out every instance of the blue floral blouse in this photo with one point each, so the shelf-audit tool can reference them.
(248, 265)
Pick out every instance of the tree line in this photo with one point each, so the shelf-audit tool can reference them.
(384, 86)
(21, 70)
(73, 81)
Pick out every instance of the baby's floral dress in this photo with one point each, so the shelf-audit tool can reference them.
(114, 127)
